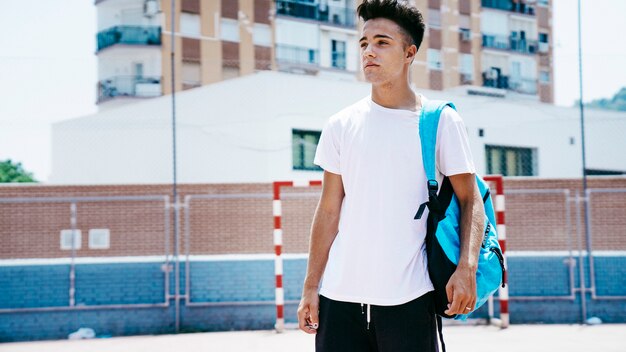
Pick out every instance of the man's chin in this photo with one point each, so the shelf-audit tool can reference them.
(371, 78)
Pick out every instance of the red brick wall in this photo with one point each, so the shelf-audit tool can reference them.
(263, 57)
(230, 54)
(262, 11)
(230, 8)
(191, 49)
(535, 221)
(191, 6)
(434, 41)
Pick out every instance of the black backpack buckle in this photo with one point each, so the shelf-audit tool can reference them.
(433, 202)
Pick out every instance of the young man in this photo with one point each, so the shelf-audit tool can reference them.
(376, 292)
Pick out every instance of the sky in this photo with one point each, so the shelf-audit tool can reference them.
(48, 67)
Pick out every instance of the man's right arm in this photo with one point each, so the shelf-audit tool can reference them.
(323, 232)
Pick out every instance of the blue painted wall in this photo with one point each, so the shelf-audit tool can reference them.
(251, 281)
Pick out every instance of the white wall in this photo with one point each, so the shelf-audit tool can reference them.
(297, 33)
(119, 62)
(100, 154)
(224, 139)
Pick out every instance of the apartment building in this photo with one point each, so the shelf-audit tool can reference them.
(502, 44)
(214, 40)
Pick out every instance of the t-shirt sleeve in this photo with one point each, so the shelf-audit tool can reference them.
(454, 155)
(328, 151)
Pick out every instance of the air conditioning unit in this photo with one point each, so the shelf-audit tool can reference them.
(150, 8)
(466, 35)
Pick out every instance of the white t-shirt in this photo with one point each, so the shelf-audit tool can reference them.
(378, 256)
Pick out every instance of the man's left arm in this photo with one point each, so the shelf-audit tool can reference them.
(461, 288)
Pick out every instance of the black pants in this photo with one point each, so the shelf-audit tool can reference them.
(409, 327)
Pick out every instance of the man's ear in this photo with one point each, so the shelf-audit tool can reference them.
(411, 52)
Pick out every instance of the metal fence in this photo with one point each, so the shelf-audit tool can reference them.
(50, 228)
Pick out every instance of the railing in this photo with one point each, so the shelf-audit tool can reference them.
(134, 35)
(336, 15)
(523, 85)
(130, 86)
(501, 42)
(496, 42)
(495, 81)
(517, 84)
(297, 54)
(509, 5)
(524, 46)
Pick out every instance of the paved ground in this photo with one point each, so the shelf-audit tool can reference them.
(517, 338)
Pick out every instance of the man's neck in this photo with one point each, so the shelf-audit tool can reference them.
(395, 96)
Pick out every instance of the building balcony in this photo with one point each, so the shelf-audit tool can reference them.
(495, 80)
(129, 86)
(509, 5)
(327, 14)
(516, 84)
(515, 44)
(131, 35)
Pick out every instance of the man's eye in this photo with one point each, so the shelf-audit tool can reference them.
(382, 43)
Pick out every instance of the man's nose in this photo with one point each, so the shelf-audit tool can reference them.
(368, 52)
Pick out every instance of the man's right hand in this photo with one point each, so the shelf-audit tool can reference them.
(308, 319)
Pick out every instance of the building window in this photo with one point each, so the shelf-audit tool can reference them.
(466, 63)
(434, 59)
(191, 73)
(304, 144)
(190, 24)
(338, 49)
(465, 22)
(70, 238)
(511, 161)
(297, 54)
(99, 239)
(465, 34)
(434, 18)
(229, 30)
(544, 76)
(543, 42)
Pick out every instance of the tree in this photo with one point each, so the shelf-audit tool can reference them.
(10, 172)
(618, 102)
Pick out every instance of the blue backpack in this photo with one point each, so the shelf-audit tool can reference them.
(443, 230)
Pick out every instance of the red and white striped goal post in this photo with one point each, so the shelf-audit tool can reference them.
(503, 292)
(278, 247)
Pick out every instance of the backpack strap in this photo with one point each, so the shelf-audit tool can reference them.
(428, 124)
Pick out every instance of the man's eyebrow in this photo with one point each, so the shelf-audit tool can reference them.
(376, 36)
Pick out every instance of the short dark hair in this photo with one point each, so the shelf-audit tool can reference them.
(404, 15)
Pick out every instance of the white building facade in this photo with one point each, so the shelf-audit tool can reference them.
(264, 127)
